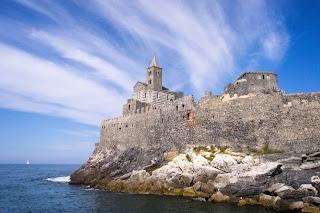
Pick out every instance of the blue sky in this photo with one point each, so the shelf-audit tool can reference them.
(67, 65)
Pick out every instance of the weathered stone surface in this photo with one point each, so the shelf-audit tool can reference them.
(309, 189)
(282, 191)
(315, 181)
(275, 187)
(189, 192)
(296, 205)
(219, 198)
(312, 200)
(269, 201)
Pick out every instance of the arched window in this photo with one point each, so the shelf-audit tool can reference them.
(129, 106)
(177, 107)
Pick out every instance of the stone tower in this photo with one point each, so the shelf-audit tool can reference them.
(154, 75)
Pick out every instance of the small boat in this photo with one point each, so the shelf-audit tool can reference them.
(28, 162)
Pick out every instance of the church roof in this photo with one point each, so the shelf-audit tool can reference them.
(154, 62)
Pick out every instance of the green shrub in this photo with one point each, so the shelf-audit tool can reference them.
(265, 150)
(210, 157)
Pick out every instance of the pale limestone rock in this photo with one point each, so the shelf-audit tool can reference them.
(205, 173)
(139, 176)
(310, 165)
(222, 180)
(275, 186)
(313, 200)
(189, 192)
(223, 162)
(308, 188)
(219, 198)
(262, 168)
(315, 181)
(296, 205)
(266, 200)
(248, 160)
(284, 190)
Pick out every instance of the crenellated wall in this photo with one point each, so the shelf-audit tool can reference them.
(285, 122)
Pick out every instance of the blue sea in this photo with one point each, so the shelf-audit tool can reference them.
(44, 188)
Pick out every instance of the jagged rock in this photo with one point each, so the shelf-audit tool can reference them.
(296, 205)
(274, 187)
(310, 209)
(202, 194)
(282, 191)
(312, 200)
(139, 176)
(296, 195)
(219, 198)
(267, 200)
(205, 173)
(248, 160)
(308, 188)
(247, 201)
(315, 181)
(310, 165)
(197, 186)
(189, 192)
(208, 187)
(223, 162)
(180, 180)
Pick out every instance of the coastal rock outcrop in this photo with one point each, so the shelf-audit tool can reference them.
(214, 173)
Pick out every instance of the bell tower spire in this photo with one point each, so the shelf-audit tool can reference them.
(154, 75)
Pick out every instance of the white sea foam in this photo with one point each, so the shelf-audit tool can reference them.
(65, 179)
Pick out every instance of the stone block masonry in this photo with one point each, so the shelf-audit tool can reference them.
(251, 113)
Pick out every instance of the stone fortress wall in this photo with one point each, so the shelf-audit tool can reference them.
(255, 114)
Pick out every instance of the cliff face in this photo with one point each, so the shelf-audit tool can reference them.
(246, 149)
(218, 174)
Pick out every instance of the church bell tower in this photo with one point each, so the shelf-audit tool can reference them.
(154, 75)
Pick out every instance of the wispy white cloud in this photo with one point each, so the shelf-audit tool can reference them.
(96, 60)
(29, 83)
(275, 45)
(208, 37)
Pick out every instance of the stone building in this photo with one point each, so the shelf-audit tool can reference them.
(150, 94)
(251, 112)
(253, 82)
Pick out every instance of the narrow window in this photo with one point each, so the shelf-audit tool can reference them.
(177, 107)
(157, 95)
(262, 76)
(188, 116)
(150, 81)
(182, 105)
(129, 106)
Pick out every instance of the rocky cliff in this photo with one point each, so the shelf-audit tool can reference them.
(264, 176)
(255, 149)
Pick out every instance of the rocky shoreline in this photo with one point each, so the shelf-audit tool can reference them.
(264, 177)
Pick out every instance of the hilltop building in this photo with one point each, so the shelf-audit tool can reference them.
(251, 112)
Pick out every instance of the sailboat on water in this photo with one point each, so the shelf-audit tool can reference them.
(28, 162)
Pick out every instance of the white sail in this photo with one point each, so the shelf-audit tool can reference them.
(28, 162)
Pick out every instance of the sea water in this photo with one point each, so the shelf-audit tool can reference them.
(45, 188)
